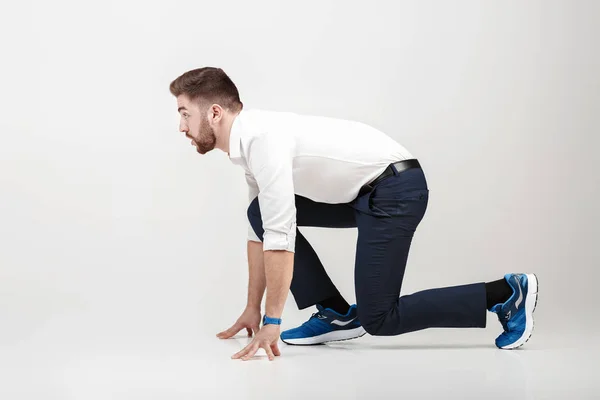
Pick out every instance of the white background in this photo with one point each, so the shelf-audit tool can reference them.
(122, 250)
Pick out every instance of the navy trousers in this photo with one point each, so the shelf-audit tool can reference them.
(386, 218)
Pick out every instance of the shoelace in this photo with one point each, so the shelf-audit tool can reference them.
(316, 315)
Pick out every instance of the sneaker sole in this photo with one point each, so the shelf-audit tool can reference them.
(335, 336)
(530, 304)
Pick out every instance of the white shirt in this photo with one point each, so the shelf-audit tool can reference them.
(324, 159)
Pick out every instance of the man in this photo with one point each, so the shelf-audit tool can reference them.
(324, 172)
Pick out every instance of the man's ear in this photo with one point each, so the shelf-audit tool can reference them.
(216, 113)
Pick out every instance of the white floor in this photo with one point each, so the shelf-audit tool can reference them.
(461, 364)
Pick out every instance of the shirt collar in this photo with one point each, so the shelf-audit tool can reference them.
(235, 139)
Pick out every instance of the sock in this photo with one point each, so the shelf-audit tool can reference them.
(497, 292)
(336, 303)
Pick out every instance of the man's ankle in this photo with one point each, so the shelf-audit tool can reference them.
(337, 304)
(497, 292)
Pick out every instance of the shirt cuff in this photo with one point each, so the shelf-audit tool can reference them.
(279, 241)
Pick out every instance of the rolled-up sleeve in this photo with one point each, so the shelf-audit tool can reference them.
(270, 160)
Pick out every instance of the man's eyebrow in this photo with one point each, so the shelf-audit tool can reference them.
(181, 108)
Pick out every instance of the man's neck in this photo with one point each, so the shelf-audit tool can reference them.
(224, 143)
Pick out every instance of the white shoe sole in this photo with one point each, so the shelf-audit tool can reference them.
(334, 336)
(530, 303)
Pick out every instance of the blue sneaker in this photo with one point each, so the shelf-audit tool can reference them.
(324, 326)
(516, 314)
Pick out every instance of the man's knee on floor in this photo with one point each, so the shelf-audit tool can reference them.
(374, 323)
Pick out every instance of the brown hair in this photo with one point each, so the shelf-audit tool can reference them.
(208, 84)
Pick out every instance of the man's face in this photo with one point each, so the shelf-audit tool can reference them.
(194, 122)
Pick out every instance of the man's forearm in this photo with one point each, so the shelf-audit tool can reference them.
(279, 268)
(256, 274)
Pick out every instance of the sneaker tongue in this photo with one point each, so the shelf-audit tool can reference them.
(320, 309)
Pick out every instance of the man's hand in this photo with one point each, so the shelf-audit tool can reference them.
(250, 319)
(267, 339)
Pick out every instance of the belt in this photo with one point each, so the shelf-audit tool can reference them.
(389, 171)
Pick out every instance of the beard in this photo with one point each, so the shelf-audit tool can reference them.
(207, 139)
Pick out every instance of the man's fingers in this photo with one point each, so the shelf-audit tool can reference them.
(269, 351)
(230, 332)
(250, 350)
(275, 349)
(226, 334)
(249, 330)
(253, 349)
(242, 352)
